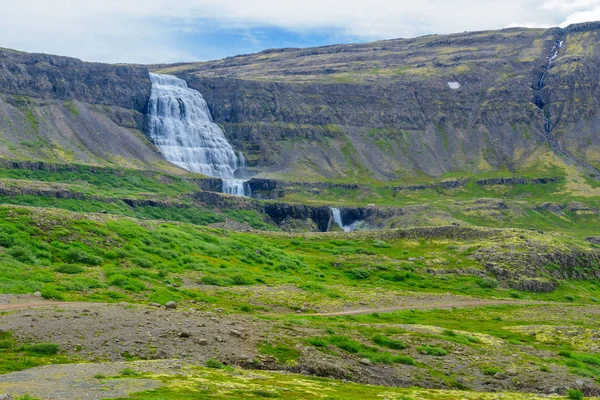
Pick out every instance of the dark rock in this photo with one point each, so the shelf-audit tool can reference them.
(171, 305)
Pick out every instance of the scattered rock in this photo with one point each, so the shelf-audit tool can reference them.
(172, 305)
(5, 397)
(500, 376)
(237, 333)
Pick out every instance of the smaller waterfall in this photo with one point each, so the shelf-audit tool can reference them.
(337, 218)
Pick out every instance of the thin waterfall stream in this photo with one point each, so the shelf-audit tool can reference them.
(181, 126)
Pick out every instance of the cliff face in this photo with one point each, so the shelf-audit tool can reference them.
(61, 109)
(386, 110)
(395, 108)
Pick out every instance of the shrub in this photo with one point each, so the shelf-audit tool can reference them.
(143, 262)
(487, 283)
(406, 360)
(41, 348)
(566, 354)
(128, 372)
(388, 342)
(346, 344)
(214, 363)
(359, 273)
(575, 394)
(569, 297)
(80, 256)
(283, 353)
(70, 269)
(432, 351)
(22, 254)
(240, 280)
(246, 308)
(211, 280)
(317, 342)
(490, 370)
(126, 283)
(6, 240)
(544, 368)
(51, 294)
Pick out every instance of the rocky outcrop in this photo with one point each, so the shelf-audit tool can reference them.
(447, 184)
(280, 212)
(534, 285)
(53, 77)
(518, 181)
(386, 108)
(593, 239)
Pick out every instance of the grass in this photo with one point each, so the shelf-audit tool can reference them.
(207, 383)
(15, 357)
(70, 256)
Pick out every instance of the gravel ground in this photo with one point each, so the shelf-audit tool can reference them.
(104, 332)
(77, 382)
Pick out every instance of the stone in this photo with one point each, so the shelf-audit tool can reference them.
(172, 305)
(500, 376)
(123, 304)
(202, 342)
(237, 333)
(155, 305)
(5, 397)
(36, 294)
(184, 334)
(366, 361)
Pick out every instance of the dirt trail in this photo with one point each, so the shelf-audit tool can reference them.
(21, 306)
(430, 306)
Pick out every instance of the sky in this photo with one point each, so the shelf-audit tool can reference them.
(168, 31)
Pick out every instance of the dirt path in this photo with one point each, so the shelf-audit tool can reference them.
(21, 306)
(430, 306)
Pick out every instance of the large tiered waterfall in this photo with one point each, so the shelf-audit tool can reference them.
(181, 126)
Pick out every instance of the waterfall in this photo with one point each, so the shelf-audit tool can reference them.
(181, 126)
(337, 218)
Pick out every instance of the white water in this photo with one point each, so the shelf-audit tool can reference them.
(182, 128)
(337, 218)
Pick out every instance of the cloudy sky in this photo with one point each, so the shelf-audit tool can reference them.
(155, 31)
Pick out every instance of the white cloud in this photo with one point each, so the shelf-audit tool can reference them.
(147, 31)
(582, 16)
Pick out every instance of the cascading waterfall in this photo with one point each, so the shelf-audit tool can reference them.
(337, 218)
(182, 128)
(541, 83)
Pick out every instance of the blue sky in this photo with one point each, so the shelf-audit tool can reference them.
(167, 31)
(222, 42)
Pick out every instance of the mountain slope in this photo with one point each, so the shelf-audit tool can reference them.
(386, 110)
(64, 110)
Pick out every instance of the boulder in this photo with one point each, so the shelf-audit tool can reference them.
(172, 305)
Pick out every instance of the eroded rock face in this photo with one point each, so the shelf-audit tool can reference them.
(386, 108)
(47, 76)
